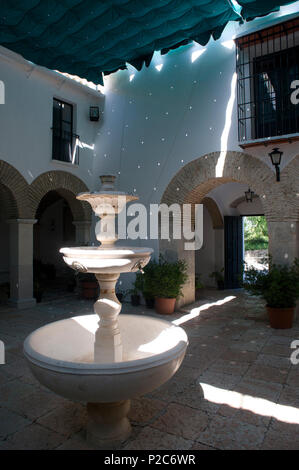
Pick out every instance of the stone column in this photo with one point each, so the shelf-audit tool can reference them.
(82, 231)
(21, 262)
(283, 241)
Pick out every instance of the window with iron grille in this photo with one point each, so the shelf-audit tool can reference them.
(267, 65)
(64, 143)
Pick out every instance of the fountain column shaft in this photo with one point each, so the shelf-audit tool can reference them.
(108, 344)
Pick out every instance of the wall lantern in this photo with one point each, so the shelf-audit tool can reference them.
(275, 156)
(94, 113)
(249, 195)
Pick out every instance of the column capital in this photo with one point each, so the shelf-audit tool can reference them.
(22, 221)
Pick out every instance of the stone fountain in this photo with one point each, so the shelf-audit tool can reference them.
(105, 359)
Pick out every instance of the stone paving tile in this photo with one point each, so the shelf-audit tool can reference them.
(35, 437)
(182, 421)
(243, 416)
(289, 396)
(199, 446)
(239, 356)
(229, 367)
(75, 442)
(267, 373)
(153, 439)
(144, 410)
(232, 349)
(67, 419)
(274, 361)
(10, 422)
(275, 440)
(35, 405)
(14, 389)
(293, 377)
(232, 434)
(259, 389)
(277, 349)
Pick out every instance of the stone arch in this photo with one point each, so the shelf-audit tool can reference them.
(67, 186)
(14, 192)
(214, 212)
(196, 179)
(241, 199)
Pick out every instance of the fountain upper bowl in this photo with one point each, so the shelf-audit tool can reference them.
(106, 258)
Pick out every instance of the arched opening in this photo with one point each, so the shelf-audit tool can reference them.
(224, 206)
(54, 229)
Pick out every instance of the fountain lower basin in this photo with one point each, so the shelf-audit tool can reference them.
(61, 357)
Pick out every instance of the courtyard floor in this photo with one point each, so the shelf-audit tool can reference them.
(236, 389)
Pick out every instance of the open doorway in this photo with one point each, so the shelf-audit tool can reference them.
(256, 241)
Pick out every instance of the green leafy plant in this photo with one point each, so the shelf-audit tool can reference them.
(164, 279)
(278, 286)
(218, 275)
(198, 283)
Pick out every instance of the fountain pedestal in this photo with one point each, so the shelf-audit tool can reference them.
(108, 344)
(108, 425)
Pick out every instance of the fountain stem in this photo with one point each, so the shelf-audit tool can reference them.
(108, 344)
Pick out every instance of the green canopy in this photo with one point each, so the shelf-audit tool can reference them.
(91, 37)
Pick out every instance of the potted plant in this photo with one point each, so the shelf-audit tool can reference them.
(166, 282)
(137, 288)
(218, 276)
(198, 284)
(89, 286)
(146, 286)
(279, 287)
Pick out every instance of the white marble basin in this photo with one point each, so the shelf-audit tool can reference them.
(61, 356)
(101, 260)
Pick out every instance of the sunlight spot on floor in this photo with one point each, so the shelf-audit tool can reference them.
(256, 405)
(195, 312)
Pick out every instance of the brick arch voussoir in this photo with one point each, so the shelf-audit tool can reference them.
(17, 187)
(67, 185)
(196, 179)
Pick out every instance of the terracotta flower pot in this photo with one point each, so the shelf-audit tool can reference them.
(164, 306)
(281, 318)
(89, 289)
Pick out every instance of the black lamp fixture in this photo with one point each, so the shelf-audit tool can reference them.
(94, 113)
(249, 195)
(275, 156)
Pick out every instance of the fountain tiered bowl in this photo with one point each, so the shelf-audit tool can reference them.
(106, 359)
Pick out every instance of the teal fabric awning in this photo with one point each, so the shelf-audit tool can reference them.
(91, 37)
(253, 8)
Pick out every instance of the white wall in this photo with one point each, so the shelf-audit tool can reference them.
(26, 118)
(161, 120)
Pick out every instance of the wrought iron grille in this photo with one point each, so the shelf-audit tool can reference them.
(267, 65)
